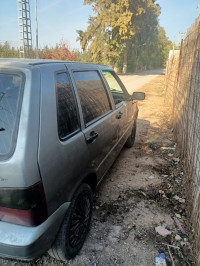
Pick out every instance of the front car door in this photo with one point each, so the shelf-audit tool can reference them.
(126, 110)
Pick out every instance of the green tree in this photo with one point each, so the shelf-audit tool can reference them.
(85, 56)
(164, 45)
(6, 51)
(145, 22)
(110, 33)
(149, 50)
(108, 30)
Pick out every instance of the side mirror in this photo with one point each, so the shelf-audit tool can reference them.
(138, 96)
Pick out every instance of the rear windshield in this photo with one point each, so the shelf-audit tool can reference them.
(10, 91)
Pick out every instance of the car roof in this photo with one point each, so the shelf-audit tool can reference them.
(28, 63)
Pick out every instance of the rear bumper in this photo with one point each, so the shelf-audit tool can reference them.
(26, 243)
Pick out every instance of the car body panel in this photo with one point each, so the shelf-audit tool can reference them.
(61, 165)
(22, 163)
(22, 242)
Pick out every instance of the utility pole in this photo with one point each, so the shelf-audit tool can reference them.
(36, 29)
(25, 34)
(181, 34)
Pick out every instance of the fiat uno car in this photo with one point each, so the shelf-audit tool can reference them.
(62, 125)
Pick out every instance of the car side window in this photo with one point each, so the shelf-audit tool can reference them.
(92, 93)
(11, 87)
(116, 90)
(67, 114)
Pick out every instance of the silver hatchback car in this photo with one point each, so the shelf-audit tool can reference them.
(62, 125)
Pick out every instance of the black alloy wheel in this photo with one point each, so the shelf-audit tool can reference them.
(75, 226)
(80, 220)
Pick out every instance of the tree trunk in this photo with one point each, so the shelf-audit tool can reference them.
(126, 53)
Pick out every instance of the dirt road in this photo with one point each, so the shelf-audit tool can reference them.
(136, 81)
(142, 190)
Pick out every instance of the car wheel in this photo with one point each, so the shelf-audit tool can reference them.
(75, 227)
(131, 139)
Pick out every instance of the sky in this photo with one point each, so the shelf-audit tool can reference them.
(59, 19)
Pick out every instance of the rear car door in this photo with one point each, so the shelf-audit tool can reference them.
(98, 119)
(62, 144)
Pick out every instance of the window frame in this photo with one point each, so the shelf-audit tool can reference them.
(86, 125)
(127, 96)
(68, 136)
(14, 136)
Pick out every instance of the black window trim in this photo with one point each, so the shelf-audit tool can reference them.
(18, 114)
(68, 136)
(97, 119)
(105, 88)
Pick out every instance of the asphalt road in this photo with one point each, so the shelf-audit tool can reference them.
(135, 81)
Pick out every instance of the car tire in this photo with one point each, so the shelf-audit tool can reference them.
(75, 227)
(131, 139)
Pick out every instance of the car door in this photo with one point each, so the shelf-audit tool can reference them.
(61, 153)
(98, 119)
(121, 101)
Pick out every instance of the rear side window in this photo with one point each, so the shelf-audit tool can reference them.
(68, 122)
(116, 90)
(11, 86)
(93, 96)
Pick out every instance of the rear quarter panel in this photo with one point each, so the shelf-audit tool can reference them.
(21, 169)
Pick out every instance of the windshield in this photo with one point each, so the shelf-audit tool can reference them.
(10, 87)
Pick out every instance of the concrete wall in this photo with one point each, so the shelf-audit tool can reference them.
(183, 82)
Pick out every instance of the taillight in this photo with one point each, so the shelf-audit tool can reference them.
(25, 206)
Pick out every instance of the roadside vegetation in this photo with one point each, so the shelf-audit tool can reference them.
(124, 34)
(60, 52)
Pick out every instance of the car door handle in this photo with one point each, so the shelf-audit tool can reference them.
(119, 115)
(91, 138)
